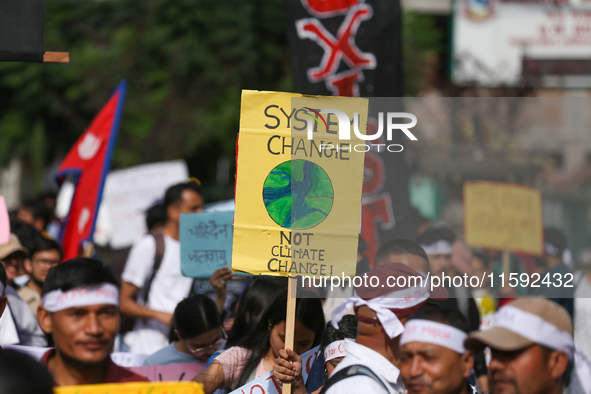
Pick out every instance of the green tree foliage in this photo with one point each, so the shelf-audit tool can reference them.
(423, 41)
(185, 60)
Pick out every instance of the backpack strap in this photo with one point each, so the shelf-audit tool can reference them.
(352, 370)
(159, 238)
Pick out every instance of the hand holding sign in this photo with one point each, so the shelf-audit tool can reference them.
(288, 369)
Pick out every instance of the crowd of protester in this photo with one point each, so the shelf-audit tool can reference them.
(448, 340)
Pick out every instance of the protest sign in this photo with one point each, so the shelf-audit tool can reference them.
(131, 191)
(4, 223)
(267, 384)
(133, 388)
(298, 193)
(503, 216)
(173, 372)
(206, 242)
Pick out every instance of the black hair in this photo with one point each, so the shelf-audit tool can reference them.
(195, 315)
(78, 272)
(27, 234)
(556, 238)
(434, 234)
(39, 210)
(400, 246)
(43, 244)
(308, 311)
(174, 194)
(347, 329)
(3, 277)
(155, 215)
(443, 314)
(19, 373)
(257, 297)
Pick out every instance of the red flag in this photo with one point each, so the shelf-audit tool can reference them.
(90, 159)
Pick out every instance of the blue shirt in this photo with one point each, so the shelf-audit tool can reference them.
(170, 355)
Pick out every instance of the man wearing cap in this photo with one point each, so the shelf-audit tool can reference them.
(433, 359)
(370, 364)
(12, 255)
(80, 309)
(531, 340)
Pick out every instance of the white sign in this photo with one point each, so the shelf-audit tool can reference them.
(493, 38)
(267, 384)
(130, 192)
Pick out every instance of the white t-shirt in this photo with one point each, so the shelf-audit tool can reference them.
(169, 287)
(361, 355)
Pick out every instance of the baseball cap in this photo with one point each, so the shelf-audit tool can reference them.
(505, 339)
(14, 245)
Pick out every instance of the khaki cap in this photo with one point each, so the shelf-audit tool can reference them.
(14, 245)
(506, 340)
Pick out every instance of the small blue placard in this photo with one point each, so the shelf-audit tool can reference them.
(206, 242)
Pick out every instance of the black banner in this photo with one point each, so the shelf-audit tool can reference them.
(21, 30)
(354, 48)
(346, 47)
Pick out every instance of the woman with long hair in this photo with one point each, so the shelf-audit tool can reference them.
(255, 354)
(257, 297)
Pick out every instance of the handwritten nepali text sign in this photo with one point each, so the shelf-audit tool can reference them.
(503, 216)
(133, 388)
(206, 242)
(298, 186)
(267, 384)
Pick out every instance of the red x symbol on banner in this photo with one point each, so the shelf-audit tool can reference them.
(336, 48)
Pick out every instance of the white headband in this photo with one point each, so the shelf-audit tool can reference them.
(534, 328)
(566, 255)
(400, 299)
(540, 331)
(334, 350)
(419, 330)
(439, 247)
(57, 300)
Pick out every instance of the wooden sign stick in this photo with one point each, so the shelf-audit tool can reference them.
(506, 263)
(56, 57)
(292, 285)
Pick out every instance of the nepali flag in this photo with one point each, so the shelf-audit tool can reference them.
(89, 160)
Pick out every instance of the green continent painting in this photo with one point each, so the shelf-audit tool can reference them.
(298, 194)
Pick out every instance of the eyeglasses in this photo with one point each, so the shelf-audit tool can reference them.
(213, 346)
(47, 262)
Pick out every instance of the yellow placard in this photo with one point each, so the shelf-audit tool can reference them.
(134, 388)
(503, 216)
(298, 200)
